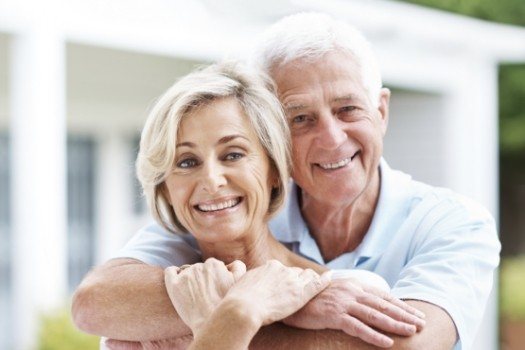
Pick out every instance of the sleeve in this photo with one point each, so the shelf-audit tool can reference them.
(154, 245)
(451, 263)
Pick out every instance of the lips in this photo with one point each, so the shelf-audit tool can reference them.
(218, 205)
(336, 165)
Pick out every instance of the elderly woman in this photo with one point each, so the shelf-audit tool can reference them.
(214, 164)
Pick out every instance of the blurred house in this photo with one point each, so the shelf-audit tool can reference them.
(77, 79)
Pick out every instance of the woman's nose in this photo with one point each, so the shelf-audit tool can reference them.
(213, 177)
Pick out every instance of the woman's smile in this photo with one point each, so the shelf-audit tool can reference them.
(221, 184)
(218, 205)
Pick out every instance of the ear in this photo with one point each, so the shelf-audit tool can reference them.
(383, 108)
(273, 181)
(273, 177)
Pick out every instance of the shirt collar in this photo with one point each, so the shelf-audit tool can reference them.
(392, 209)
(289, 226)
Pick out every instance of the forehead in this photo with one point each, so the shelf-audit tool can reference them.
(214, 120)
(332, 76)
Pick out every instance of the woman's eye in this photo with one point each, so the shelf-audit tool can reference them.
(187, 163)
(233, 156)
(299, 119)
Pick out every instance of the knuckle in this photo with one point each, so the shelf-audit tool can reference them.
(372, 317)
(274, 263)
(383, 307)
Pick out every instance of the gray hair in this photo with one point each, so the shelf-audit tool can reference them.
(310, 36)
(255, 94)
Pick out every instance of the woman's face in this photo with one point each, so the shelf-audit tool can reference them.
(221, 183)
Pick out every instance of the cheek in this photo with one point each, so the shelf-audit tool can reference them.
(179, 195)
(262, 182)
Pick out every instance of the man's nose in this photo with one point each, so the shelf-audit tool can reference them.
(330, 133)
(213, 177)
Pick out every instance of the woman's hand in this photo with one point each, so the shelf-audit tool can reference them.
(273, 291)
(358, 310)
(196, 290)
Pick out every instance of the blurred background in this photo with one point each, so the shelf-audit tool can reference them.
(77, 79)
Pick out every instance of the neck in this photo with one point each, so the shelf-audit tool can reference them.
(340, 228)
(254, 249)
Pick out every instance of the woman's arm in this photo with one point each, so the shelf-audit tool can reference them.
(258, 297)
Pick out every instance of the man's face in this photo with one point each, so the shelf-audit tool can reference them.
(337, 132)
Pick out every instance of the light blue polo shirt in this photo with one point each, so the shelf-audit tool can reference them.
(428, 243)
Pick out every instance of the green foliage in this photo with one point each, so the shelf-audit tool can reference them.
(512, 285)
(504, 11)
(58, 333)
(512, 108)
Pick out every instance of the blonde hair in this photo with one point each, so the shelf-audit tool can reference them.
(255, 94)
(311, 35)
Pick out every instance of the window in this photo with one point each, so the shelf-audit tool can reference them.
(139, 201)
(5, 245)
(80, 203)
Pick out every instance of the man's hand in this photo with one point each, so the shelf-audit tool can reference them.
(358, 310)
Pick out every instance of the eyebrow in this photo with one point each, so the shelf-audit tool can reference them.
(349, 97)
(222, 140)
(297, 107)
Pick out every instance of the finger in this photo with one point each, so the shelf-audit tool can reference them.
(237, 268)
(391, 309)
(172, 270)
(296, 269)
(214, 262)
(398, 302)
(356, 328)
(316, 283)
(378, 320)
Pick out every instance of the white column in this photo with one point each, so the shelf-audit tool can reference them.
(472, 149)
(114, 194)
(38, 134)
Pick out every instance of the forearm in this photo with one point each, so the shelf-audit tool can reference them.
(126, 299)
(438, 334)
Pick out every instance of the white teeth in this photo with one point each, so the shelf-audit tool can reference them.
(220, 206)
(339, 164)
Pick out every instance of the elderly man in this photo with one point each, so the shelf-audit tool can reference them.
(347, 209)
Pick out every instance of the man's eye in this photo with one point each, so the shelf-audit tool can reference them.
(233, 156)
(347, 109)
(187, 163)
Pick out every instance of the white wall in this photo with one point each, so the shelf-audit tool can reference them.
(415, 139)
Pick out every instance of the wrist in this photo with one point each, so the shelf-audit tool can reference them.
(230, 326)
(241, 312)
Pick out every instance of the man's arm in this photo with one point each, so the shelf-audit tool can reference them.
(439, 333)
(126, 299)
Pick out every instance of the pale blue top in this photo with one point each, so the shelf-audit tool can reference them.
(428, 243)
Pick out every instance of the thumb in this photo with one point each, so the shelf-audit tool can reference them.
(237, 268)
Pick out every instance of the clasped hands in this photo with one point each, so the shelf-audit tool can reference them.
(300, 298)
